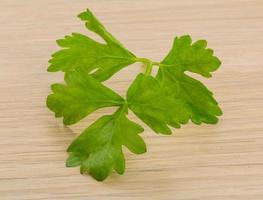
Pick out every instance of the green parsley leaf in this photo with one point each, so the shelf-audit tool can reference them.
(99, 148)
(193, 58)
(80, 51)
(82, 95)
(167, 100)
(153, 106)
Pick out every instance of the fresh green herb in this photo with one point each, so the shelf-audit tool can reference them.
(168, 99)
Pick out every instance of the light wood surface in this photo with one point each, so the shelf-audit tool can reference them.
(204, 162)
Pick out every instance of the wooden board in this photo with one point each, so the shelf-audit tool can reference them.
(205, 162)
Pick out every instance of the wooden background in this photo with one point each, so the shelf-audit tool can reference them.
(205, 162)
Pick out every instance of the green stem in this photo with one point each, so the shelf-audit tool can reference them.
(148, 63)
(143, 60)
(156, 63)
(149, 67)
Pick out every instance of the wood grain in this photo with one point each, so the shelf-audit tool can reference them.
(205, 162)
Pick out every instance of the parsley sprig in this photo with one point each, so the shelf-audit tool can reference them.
(169, 99)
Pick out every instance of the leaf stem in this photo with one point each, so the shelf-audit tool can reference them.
(143, 60)
(148, 63)
(149, 67)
